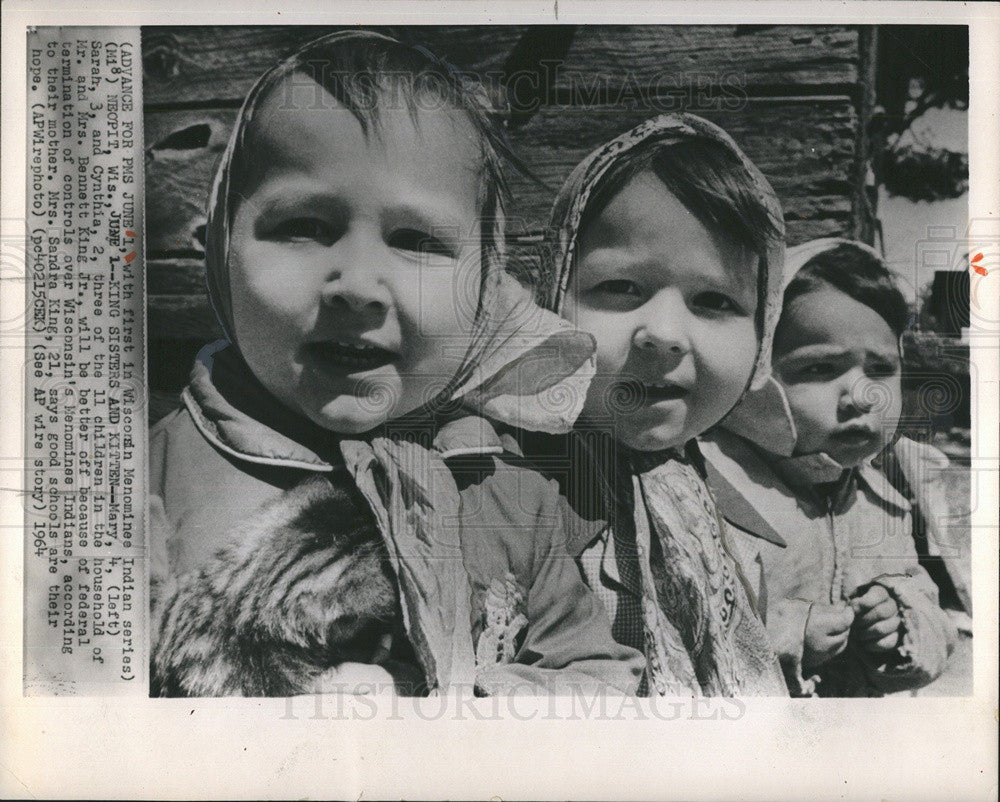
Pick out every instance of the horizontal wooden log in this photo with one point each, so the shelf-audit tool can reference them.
(799, 231)
(175, 277)
(182, 152)
(804, 146)
(692, 62)
(204, 65)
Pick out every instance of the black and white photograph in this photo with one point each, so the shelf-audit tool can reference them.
(593, 371)
(750, 328)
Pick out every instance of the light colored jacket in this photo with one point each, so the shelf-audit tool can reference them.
(835, 546)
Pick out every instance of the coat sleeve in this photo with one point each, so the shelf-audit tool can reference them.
(567, 647)
(786, 627)
(925, 468)
(927, 635)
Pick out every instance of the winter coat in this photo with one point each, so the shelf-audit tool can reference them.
(491, 598)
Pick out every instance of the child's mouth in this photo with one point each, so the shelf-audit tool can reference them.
(650, 392)
(663, 391)
(351, 357)
(856, 436)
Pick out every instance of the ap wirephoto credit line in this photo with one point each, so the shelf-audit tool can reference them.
(85, 567)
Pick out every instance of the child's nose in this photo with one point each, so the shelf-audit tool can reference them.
(859, 393)
(663, 329)
(344, 296)
(356, 288)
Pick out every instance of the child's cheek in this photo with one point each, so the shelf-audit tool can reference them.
(613, 335)
(439, 301)
(814, 410)
(890, 410)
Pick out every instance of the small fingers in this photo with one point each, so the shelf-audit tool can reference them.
(880, 629)
(838, 620)
(887, 644)
(873, 596)
(839, 644)
(831, 646)
(880, 612)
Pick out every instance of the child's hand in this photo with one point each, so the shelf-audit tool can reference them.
(878, 620)
(382, 675)
(358, 679)
(827, 630)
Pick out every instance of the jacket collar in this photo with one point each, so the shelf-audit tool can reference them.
(737, 510)
(812, 469)
(238, 416)
(879, 484)
(758, 497)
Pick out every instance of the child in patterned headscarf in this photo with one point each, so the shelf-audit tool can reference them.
(669, 252)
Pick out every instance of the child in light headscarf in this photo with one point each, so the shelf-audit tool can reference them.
(331, 502)
(669, 251)
(849, 609)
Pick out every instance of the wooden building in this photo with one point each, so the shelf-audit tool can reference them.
(796, 98)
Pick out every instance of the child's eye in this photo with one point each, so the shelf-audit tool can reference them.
(410, 239)
(818, 370)
(618, 287)
(882, 370)
(715, 302)
(304, 229)
(615, 294)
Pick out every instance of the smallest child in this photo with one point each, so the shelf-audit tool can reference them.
(849, 610)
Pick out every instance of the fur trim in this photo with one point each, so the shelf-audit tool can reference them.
(300, 589)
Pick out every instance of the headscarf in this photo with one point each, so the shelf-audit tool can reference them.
(663, 131)
(523, 366)
(704, 636)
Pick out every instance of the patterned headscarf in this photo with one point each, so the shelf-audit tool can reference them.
(663, 131)
(703, 635)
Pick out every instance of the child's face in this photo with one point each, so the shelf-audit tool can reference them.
(839, 364)
(672, 308)
(349, 256)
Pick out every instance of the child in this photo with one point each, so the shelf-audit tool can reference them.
(326, 505)
(849, 610)
(670, 253)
